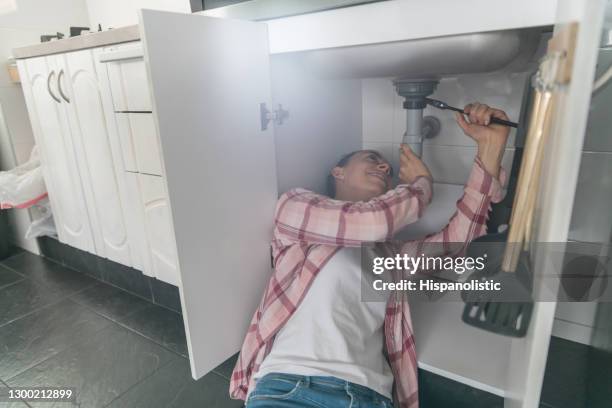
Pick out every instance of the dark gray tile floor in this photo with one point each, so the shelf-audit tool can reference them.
(577, 376)
(15, 404)
(8, 277)
(439, 392)
(159, 325)
(59, 327)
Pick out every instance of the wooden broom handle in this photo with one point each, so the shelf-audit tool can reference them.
(524, 186)
(561, 48)
(535, 184)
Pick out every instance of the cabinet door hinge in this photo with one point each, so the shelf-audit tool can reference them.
(278, 115)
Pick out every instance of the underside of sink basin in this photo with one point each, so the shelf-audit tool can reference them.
(429, 57)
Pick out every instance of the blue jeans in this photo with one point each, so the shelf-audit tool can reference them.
(299, 391)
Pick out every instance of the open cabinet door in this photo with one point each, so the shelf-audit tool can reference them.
(561, 165)
(208, 77)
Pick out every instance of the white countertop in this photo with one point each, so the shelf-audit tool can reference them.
(91, 40)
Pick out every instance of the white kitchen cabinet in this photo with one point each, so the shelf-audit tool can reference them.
(52, 133)
(104, 196)
(101, 158)
(139, 159)
(222, 172)
(72, 115)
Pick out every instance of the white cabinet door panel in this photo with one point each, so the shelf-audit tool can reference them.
(220, 170)
(126, 142)
(130, 85)
(135, 85)
(116, 85)
(158, 228)
(53, 136)
(94, 155)
(146, 145)
(141, 257)
(560, 169)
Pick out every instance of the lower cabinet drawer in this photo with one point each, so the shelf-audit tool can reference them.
(158, 227)
(146, 143)
(139, 143)
(130, 85)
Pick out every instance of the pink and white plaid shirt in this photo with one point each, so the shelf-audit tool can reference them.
(309, 230)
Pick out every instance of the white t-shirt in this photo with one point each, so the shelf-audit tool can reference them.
(333, 332)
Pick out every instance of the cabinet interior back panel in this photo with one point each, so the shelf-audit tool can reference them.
(324, 123)
(449, 155)
(445, 344)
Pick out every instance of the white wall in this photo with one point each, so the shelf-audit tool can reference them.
(46, 16)
(450, 154)
(18, 28)
(119, 13)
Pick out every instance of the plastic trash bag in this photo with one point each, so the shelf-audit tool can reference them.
(23, 186)
(43, 224)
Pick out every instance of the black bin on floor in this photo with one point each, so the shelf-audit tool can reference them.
(4, 235)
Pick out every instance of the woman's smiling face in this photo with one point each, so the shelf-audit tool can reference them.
(366, 175)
